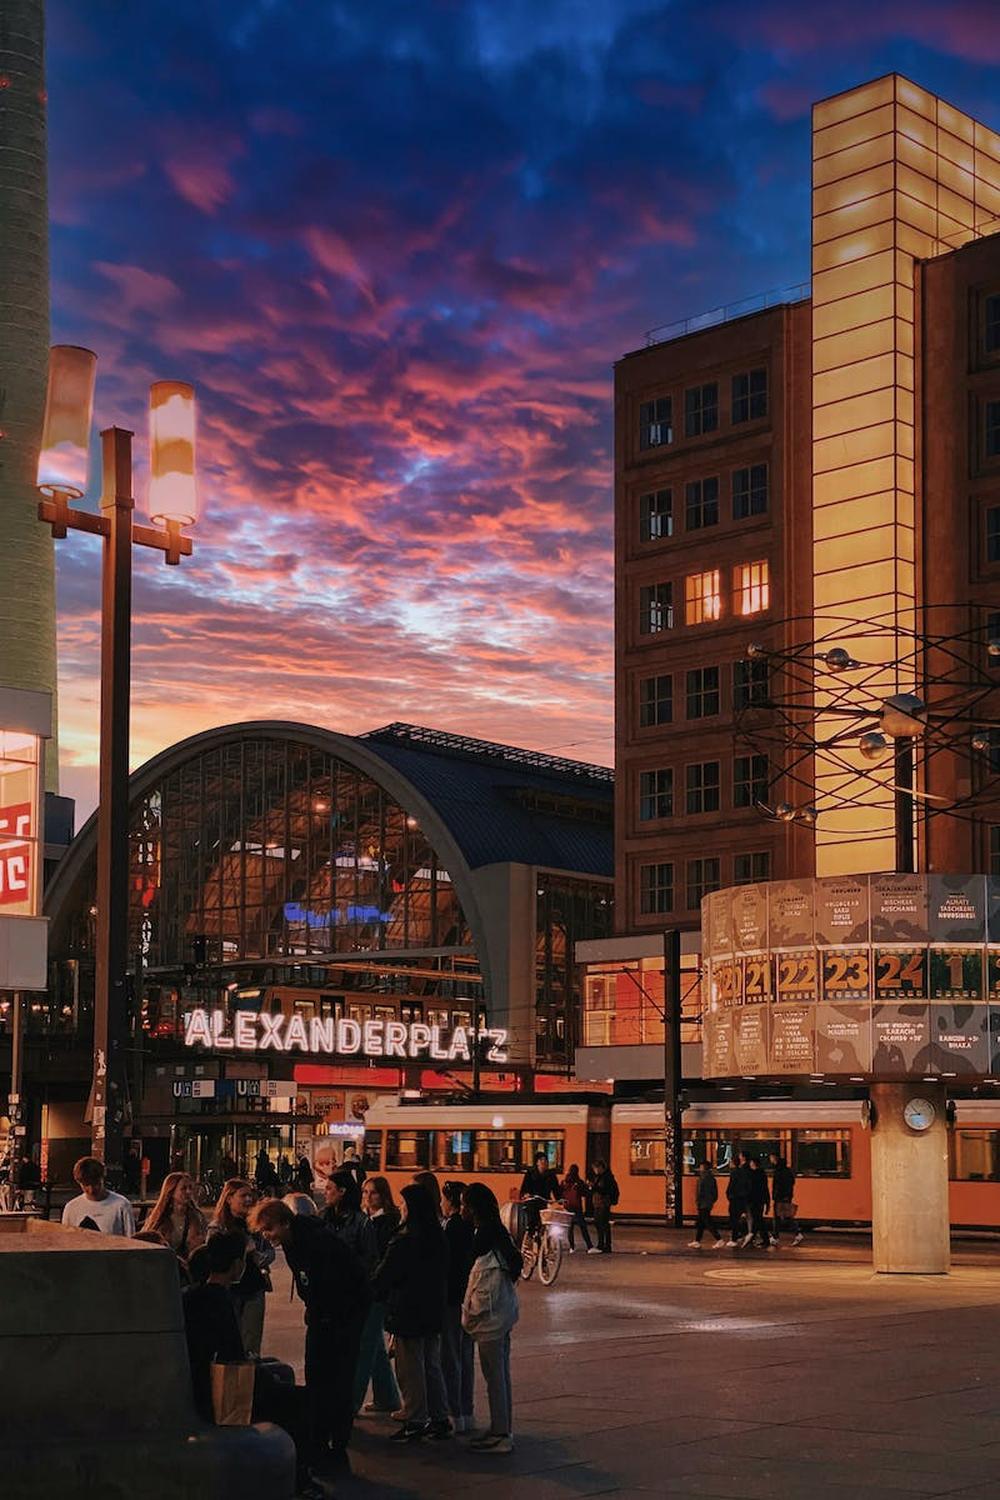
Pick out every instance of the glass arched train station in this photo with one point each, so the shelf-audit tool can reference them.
(405, 876)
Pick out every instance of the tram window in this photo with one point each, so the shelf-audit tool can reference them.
(696, 1150)
(822, 1153)
(452, 1151)
(372, 1152)
(975, 1156)
(407, 1149)
(760, 1144)
(496, 1151)
(550, 1145)
(647, 1153)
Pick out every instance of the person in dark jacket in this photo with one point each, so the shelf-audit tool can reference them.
(331, 1281)
(760, 1202)
(706, 1193)
(738, 1195)
(604, 1195)
(304, 1176)
(343, 1214)
(457, 1349)
(412, 1282)
(374, 1364)
(574, 1198)
(782, 1198)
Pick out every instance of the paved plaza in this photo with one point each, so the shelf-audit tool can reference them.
(664, 1371)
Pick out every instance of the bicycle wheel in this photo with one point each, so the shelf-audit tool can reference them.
(549, 1259)
(529, 1257)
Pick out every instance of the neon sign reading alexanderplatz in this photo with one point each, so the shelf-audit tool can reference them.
(252, 1031)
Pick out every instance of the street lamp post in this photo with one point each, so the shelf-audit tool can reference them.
(62, 478)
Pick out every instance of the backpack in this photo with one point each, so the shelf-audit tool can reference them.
(490, 1308)
(614, 1192)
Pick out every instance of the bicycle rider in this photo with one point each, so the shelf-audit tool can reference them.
(539, 1186)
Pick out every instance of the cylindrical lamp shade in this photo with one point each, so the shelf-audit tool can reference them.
(173, 489)
(69, 405)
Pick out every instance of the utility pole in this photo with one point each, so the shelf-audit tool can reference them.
(673, 1126)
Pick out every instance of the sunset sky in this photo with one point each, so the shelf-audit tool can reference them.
(398, 247)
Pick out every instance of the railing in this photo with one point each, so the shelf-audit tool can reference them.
(725, 314)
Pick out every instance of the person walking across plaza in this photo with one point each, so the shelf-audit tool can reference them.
(604, 1195)
(374, 1364)
(783, 1199)
(97, 1207)
(250, 1292)
(332, 1284)
(177, 1217)
(760, 1202)
(738, 1196)
(457, 1350)
(706, 1194)
(574, 1198)
(411, 1280)
(490, 1310)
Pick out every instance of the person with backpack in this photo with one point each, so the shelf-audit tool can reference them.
(573, 1193)
(490, 1310)
(604, 1194)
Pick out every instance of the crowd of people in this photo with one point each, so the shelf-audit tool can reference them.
(758, 1208)
(397, 1298)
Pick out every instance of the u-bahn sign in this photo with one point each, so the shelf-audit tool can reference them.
(870, 976)
(410, 1041)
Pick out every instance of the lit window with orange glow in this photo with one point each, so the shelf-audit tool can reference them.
(702, 597)
(751, 588)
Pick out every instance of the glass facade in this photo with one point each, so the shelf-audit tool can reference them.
(568, 911)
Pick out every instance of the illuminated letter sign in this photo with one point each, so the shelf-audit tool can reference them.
(15, 857)
(252, 1031)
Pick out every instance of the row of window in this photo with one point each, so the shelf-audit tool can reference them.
(748, 403)
(809, 1153)
(748, 497)
(463, 1150)
(658, 893)
(751, 595)
(750, 686)
(702, 793)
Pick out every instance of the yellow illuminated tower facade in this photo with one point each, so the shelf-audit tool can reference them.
(899, 177)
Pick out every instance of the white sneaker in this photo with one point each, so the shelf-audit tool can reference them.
(694, 1244)
(745, 1241)
(798, 1239)
(732, 1244)
(492, 1442)
(593, 1250)
(719, 1245)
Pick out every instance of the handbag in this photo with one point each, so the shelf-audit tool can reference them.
(232, 1392)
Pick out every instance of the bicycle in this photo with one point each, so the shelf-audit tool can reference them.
(542, 1242)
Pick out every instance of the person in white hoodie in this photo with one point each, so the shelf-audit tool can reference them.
(490, 1310)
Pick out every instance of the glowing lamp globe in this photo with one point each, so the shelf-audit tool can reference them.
(173, 489)
(873, 744)
(69, 405)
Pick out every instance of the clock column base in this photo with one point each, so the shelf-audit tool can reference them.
(910, 1213)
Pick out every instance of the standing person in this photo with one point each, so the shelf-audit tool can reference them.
(249, 1294)
(411, 1280)
(344, 1216)
(429, 1181)
(706, 1193)
(490, 1311)
(573, 1192)
(604, 1195)
(352, 1163)
(760, 1202)
(304, 1175)
(457, 1350)
(782, 1198)
(132, 1172)
(264, 1175)
(229, 1166)
(374, 1363)
(332, 1283)
(738, 1195)
(284, 1170)
(97, 1207)
(177, 1217)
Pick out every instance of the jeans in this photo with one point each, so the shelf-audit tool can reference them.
(703, 1222)
(579, 1221)
(458, 1361)
(421, 1380)
(494, 1360)
(739, 1218)
(331, 1360)
(251, 1315)
(375, 1365)
(602, 1223)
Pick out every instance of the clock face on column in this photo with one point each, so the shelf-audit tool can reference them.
(919, 1114)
